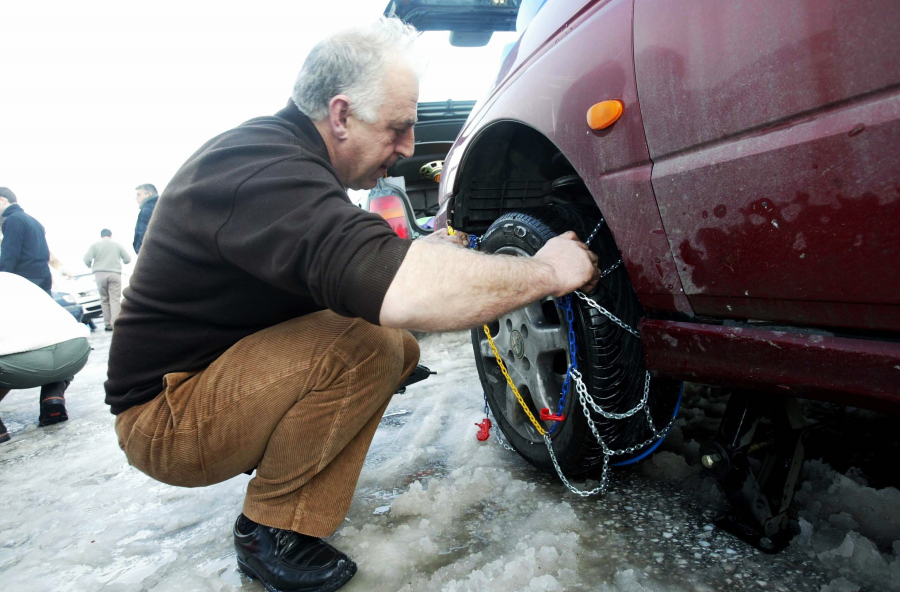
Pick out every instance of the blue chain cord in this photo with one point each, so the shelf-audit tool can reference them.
(565, 303)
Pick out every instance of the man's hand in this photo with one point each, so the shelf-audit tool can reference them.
(574, 264)
(458, 238)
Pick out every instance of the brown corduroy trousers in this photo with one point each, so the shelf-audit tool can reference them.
(300, 401)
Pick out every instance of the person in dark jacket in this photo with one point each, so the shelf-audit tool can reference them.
(146, 196)
(23, 250)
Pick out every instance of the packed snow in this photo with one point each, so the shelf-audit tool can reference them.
(436, 510)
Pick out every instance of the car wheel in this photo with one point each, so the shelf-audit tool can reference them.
(533, 343)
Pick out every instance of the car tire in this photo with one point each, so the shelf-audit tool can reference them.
(609, 358)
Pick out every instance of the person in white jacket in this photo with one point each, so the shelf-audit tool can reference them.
(41, 345)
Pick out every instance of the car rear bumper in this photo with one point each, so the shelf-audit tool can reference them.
(858, 372)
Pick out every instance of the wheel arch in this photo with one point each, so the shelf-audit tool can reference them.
(507, 166)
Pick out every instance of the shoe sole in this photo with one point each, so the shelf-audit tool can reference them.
(52, 414)
(4, 438)
(345, 577)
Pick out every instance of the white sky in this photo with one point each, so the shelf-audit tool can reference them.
(98, 97)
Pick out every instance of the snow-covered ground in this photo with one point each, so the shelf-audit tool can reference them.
(434, 510)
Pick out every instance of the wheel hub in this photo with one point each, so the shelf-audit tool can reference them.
(517, 345)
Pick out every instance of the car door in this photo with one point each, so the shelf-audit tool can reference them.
(774, 129)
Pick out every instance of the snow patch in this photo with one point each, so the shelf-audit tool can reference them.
(629, 581)
(669, 466)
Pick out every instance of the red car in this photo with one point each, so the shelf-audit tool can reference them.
(744, 159)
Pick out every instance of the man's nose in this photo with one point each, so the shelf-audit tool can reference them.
(406, 146)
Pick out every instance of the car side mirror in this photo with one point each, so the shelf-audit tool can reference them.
(470, 38)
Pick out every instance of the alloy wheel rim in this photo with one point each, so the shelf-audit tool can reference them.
(534, 345)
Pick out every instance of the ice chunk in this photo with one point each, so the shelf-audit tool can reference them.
(668, 465)
(628, 581)
(843, 521)
(840, 585)
(804, 539)
(861, 554)
(825, 492)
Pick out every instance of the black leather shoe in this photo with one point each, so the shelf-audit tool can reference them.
(4, 433)
(287, 561)
(53, 410)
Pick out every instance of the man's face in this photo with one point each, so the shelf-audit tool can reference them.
(4, 203)
(370, 148)
(140, 195)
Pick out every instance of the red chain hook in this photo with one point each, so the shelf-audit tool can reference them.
(485, 432)
(547, 416)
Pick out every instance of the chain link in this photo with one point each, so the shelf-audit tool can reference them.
(594, 233)
(509, 381)
(582, 391)
(587, 401)
(607, 314)
(500, 440)
(610, 269)
(584, 398)
(604, 477)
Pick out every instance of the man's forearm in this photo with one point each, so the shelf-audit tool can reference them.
(441, 287)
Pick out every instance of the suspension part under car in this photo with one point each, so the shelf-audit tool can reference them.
(760, 490)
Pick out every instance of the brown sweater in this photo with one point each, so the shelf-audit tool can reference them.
(254, 229)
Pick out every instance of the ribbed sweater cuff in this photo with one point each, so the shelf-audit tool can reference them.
(369, 275)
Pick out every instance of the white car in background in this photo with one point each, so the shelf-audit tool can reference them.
(83, 288)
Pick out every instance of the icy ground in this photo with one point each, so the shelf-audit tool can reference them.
(437, 510)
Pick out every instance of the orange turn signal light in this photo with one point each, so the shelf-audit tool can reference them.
(604, 114)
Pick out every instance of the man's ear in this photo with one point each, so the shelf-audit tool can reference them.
(338, 112)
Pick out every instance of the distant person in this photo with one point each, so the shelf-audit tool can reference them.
(23, 250)
(41, 345)
(146, 196)
(105, 258)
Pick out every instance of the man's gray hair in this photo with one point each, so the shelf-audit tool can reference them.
(151, 189)
(353, 62)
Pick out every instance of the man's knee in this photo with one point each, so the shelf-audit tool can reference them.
(410, 352)
(396, 347)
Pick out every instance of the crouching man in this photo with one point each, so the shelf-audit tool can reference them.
(41, 345)
(264, 324)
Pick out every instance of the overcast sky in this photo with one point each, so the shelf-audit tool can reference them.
(98, 97)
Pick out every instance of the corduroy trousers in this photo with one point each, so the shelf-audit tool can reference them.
(299, 401)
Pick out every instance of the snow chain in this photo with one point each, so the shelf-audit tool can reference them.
(574, 376)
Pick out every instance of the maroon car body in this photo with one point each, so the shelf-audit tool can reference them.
(752, 183)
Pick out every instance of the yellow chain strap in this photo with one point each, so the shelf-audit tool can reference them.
(509, 381)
